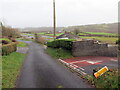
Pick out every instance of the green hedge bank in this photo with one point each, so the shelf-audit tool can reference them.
(9, 48)
(61, 43)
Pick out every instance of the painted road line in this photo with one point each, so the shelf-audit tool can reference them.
(94, 62)
(81, 68)
(74, 67)
(78, 70)
(83, 72)
(114, 60)
(78, 61)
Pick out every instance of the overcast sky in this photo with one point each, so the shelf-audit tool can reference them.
(39, 13)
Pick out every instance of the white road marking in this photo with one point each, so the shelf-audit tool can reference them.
(75, 67)
(78, 61)
(114, 60)
(93, 62)
(88, 61)
(82, 68)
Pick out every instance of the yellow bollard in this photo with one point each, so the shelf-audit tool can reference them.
(101, 71)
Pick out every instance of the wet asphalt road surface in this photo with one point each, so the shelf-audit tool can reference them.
(41, 71)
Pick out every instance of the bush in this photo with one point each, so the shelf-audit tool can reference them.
(9, 48)
(41, 40)
(61, 43)
(4, 42)
(59, 53)
(13, 40)
(118, 41)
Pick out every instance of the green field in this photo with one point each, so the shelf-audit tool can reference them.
(42, 33)
(57, 34)
(21, 44)
(103, 39)
(82, 34)
(102, 33)
(11, 65)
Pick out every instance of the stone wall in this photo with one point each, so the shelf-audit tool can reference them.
(91, 48)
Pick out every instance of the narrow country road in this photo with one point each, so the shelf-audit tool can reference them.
(42, 71)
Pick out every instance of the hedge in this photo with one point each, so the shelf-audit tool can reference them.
(9, 48)
(61, 43)
(118, 41)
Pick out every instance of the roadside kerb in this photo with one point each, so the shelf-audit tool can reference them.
(74, 68)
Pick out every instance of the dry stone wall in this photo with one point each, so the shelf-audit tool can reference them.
(91, 48)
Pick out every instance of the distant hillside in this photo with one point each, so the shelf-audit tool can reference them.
(41, 29)
(109, 28)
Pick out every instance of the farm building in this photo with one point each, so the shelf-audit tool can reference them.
(67, 35)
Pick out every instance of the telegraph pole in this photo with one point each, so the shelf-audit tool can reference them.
(54, 19)
(1, 25)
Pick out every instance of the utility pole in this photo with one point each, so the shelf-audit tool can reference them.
(54, 19)
(1, 28)
(1, 25)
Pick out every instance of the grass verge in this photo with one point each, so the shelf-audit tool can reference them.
(11, 65)
(59, 53)
(21, 44)
(0, 73)
(107, 80)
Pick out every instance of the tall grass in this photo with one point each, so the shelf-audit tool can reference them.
(59, 53)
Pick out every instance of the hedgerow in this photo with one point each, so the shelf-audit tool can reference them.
(9, 48)
(61, 43)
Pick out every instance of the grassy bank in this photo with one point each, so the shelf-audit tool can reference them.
(107, 80)
(59, 53)
(103, 39)
(11, 65)
(21, 44)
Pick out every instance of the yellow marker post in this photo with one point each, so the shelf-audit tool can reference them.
(101, 71)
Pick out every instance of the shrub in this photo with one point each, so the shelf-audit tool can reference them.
(4, 42)
(13, 40)
(41, 40)
(118, 41)
(9, 48)
(6, 39)
(61, 43)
